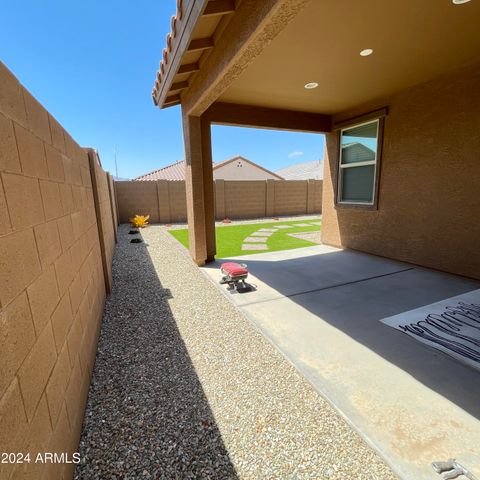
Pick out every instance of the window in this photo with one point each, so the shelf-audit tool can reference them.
(358, 164)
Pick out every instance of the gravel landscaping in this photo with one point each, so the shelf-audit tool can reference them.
(184, 387)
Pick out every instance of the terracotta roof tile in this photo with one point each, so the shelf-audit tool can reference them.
(176, 171)
(166, 51)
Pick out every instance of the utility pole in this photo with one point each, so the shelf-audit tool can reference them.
(116, 166)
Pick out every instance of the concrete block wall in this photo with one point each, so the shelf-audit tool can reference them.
(178, 206)
(245, 199)
(105, 212)
(137, 198)
(113, 205)
(315, 192)
(52, 287)
(290, 197)
(165, 201)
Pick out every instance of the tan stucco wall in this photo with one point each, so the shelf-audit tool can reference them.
(165, 200)
(52, 284)
(241, 170)
(429, 192)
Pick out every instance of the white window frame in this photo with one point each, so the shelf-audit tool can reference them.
(358, 164)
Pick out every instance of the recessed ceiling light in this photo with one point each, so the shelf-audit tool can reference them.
(459, 2)
(311, 85)
(366, 52)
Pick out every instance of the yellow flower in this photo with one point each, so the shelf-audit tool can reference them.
(140, 221)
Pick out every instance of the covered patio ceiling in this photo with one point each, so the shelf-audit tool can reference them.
(412, 42)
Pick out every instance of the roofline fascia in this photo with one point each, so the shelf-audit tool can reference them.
(189, 20)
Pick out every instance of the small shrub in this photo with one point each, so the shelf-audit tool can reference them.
(139, 221)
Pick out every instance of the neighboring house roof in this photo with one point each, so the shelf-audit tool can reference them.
(176, 171)
(303, 171)
(218, 165)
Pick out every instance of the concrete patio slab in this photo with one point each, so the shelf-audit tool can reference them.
(321, 307)
(305, 269)
(261, 234)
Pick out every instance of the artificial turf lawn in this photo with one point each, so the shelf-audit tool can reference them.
(230, 238)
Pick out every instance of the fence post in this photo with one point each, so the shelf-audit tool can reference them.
(319, 187)
(113, 209)
(220, 207)
(310, 196)
(163, 193)
(92, 159)
(115, 196)
(270, 198)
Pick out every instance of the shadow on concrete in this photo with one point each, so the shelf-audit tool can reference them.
(147, 415)
(353, 291)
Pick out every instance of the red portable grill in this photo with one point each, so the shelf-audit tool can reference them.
(235, 274)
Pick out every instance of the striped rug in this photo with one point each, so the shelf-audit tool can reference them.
(452, 326)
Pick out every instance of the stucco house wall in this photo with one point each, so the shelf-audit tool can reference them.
(241, 169)
(429, 201)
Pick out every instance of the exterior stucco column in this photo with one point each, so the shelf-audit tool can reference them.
(199, 188)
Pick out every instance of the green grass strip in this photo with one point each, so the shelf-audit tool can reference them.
(230, 238)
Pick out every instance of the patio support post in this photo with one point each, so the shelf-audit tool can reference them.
(199, 188)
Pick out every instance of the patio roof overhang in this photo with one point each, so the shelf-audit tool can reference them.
(271, 49)
(246, 63)
(194, 30)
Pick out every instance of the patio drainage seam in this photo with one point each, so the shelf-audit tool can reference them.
(327, 288)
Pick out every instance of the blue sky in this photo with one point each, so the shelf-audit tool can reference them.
(92, 64)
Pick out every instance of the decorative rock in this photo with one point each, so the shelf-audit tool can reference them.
(185, 387)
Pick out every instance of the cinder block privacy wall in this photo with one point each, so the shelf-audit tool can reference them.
(57, 232)
(165, 201)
